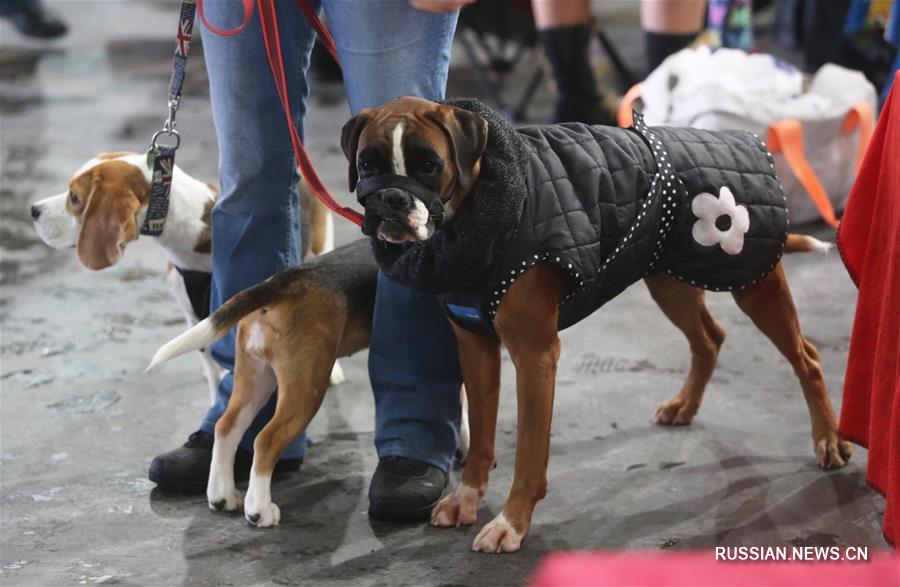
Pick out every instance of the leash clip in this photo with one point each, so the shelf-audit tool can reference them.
(169, 125)
(154, 142)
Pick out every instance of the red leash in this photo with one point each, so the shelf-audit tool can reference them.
(269, 23)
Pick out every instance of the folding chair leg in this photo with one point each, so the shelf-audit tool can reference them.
(626, 78)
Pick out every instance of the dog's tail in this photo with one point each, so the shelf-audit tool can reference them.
(799, 243)
(220, 322)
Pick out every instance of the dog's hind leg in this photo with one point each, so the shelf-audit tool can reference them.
(686, 308)
(254, 383)
(479, 359)
(770, 306)
(300, 360)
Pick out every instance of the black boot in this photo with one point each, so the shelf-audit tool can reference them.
(186, 469)
(35, 20)
(661, 45)
(405, 490)
(567, 49)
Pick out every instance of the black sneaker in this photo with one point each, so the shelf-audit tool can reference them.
(36, 20)
(186, 469)
(405, 490)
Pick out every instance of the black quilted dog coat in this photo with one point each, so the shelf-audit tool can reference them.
(609, 206)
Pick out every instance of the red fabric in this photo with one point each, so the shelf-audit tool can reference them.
(701, 569)
(869, 241)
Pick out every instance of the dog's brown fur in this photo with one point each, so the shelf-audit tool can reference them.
(105, 200)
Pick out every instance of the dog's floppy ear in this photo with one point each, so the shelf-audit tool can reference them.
(466, 134)
(350, 139)
(108, 224)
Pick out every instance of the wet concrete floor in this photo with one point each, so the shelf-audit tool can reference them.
(81, 420)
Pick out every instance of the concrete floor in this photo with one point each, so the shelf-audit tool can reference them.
(81, 421)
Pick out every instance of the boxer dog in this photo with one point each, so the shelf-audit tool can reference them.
(426, 173)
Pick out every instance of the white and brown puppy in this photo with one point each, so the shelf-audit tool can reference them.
(105, 204)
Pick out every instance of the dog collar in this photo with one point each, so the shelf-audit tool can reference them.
(161, 160)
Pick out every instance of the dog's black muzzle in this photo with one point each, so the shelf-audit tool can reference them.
(396, 192)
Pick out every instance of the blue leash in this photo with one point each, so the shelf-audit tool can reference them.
(161, 158)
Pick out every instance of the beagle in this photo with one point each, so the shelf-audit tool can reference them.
(291, 329)
(102, 211)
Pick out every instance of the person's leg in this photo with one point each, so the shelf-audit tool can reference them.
(256, 219)
(669, 26)
(414, 370)
(564, 30)
(413, 364)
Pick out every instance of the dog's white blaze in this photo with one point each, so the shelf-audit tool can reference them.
(397, 140)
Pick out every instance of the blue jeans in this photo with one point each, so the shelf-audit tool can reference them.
(387, 49)
(10, 6)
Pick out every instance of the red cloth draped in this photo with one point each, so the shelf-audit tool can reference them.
(869, 241)
(701, 569)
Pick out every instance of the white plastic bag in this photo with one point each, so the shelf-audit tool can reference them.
(817, 134)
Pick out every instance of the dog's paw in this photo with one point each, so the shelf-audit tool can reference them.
(498, 536)
(266, 516)
(225, 501)
(460, 508)
(676, 412)
(832, 452)
(337, 374)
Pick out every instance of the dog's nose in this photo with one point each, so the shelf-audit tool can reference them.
(397, 199)
(35, 212)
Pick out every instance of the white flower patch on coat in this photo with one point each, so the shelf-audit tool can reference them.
(707, 208)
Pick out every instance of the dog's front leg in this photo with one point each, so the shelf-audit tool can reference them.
(211, 370)
(479, 359)
(527, 323)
